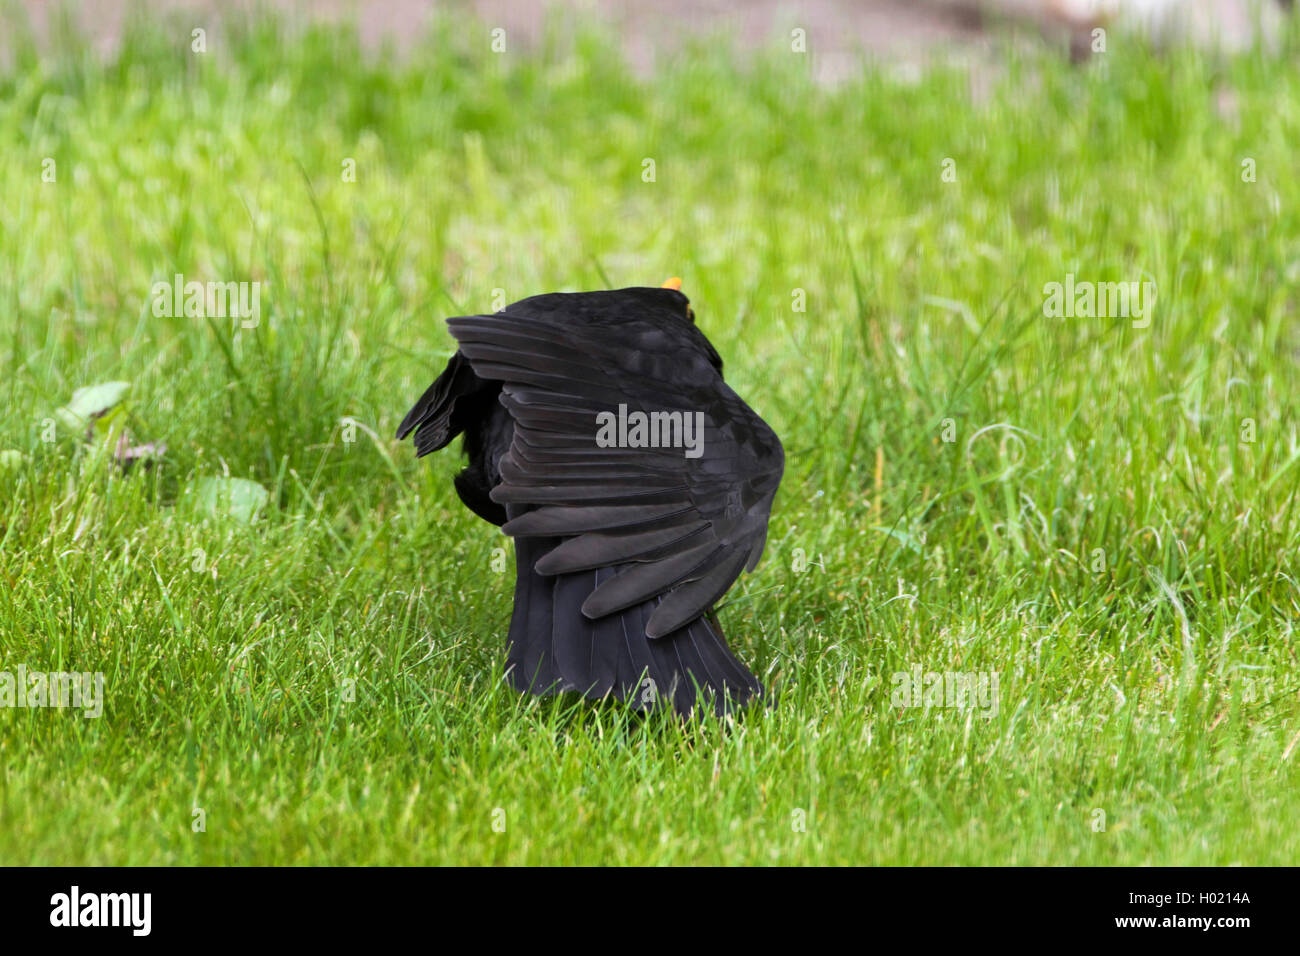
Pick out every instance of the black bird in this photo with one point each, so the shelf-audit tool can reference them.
(636, 484)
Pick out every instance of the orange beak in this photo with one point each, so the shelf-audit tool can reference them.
(674, 283)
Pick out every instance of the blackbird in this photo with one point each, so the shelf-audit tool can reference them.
(635, 483)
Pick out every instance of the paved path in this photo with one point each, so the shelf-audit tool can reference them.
(906, 32)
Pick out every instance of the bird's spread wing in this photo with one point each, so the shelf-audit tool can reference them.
(682, 527)
(439, 415)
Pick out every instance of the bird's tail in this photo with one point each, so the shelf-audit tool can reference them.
(554, 647)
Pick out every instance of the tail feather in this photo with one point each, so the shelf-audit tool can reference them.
(586, 651)
(554, 647)
(606, 641)
(528, 663)
(636, 663)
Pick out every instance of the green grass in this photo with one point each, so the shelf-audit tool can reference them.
(1098, 533)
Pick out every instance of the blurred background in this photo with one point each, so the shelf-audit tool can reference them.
(902, 30)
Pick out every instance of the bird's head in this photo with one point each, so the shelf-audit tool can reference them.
(675, 283)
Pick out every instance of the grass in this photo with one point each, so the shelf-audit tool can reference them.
(324, 683)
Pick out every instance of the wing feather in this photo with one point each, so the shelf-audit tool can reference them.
(686, 526)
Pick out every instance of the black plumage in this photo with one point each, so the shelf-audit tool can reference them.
(621, 552)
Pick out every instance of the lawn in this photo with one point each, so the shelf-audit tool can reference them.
(1099, 513)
